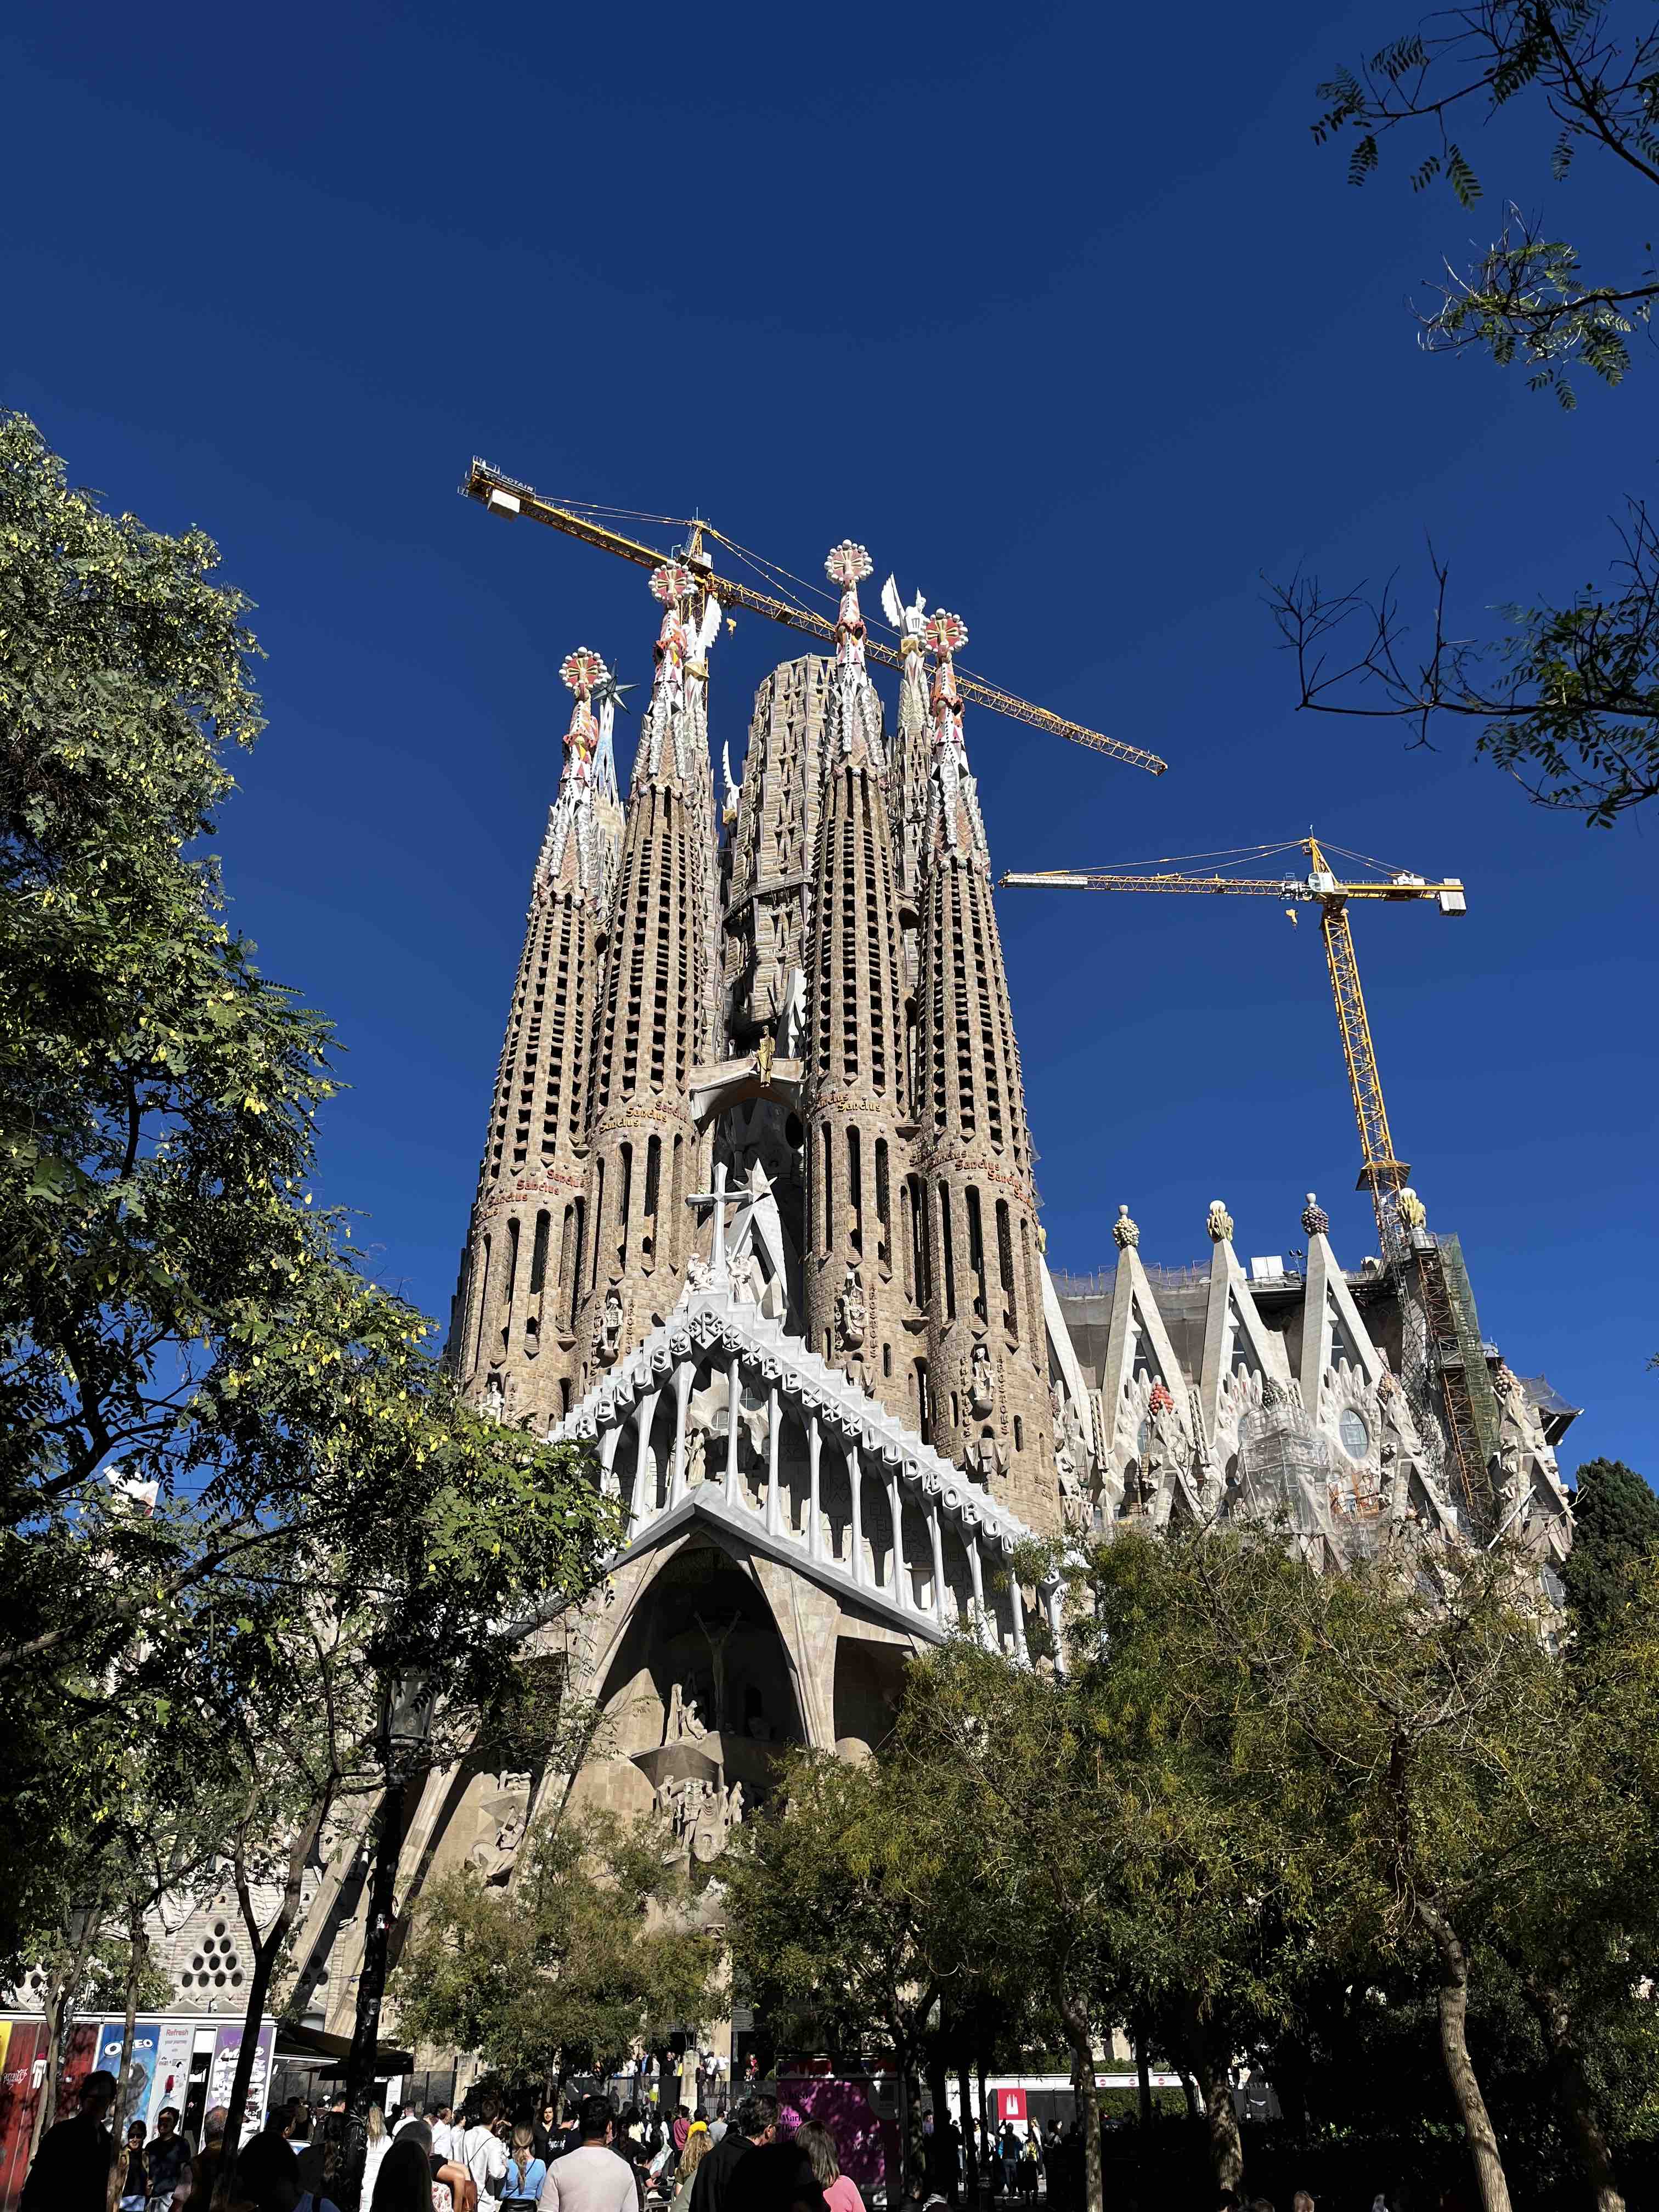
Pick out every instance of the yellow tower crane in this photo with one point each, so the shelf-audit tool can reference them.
(1452, 1346)
(506, 496)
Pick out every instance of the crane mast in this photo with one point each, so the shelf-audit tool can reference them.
(504, 495)
(1451, 1346)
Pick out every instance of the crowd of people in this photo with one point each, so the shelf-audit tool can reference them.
(481, 2159)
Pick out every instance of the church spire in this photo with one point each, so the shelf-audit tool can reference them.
(987, 1331)
(661, 1001)
(859, 1309)
(511, 1341)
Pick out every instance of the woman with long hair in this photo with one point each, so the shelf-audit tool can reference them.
(411, 2179)
(380, 2142)
(841, 2192)
(697, 2147)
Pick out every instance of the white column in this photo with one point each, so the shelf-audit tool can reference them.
(1052, 1603)
(855, 1476)
(683, 1381)
(645, 1465)
(985, 1627)
(773, 1521)
(814, 1447)
(733, 1408)
(1020, 1652)
(609, 1439)
(937, 1541)
(901, 1575)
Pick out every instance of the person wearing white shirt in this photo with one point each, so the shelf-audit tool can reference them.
(484, 2154)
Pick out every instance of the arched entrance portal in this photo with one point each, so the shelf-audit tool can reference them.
(697, 1701)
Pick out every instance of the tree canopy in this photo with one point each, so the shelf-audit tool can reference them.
(1566, 694)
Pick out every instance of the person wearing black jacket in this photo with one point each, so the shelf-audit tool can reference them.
(70, 2173)
(757, 2125)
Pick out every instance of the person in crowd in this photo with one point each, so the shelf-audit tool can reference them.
(679, 2128)
(718, 2126)
(167, 2162)
(482, 2153)
(755, 2124)
(132, 2187)
(209, 2162)
(324, 2155)
(841, 2192)
(775, 2176)
(412, 2109)
(446, 2136)
(697, 2147)
(547, 2131)
(380, 2142)
(70, 2173)
(1262, 2205)
(267, 2163)
(1302, 2202)
(521, 2185)
(592, 2178)
(1031, 2163)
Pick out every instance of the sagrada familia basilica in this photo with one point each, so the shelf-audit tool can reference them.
(757, 1223)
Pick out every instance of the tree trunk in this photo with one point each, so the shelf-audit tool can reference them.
(1454, 2006)
(1573, 2092)
(985, 2126)
(1190, 2090)
(137, 1951)
(1220, 2121)
(371, 1990)
(969, 2126)
(938, 2088)
(1074, 2019)
(1143, 2080)
(913, 2143)
(267, 1949)
(64, 1989)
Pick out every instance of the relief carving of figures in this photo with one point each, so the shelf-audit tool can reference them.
(502, 1819)
(748, 1278)
(850, 1312)
(986, 1459)
(684, 1723)
(610, 1326)
(980, 1399)
(1218, 1222)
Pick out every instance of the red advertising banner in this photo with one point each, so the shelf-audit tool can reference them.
(1011, 2105)
(22, 2085)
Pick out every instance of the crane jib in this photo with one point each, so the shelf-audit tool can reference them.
(505, 495)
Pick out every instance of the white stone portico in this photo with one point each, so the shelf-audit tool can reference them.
(812, 1472)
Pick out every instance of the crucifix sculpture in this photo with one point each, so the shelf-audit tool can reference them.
(718, 1640)
(719, 1197)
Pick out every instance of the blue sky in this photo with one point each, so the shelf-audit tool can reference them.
(1060, 312)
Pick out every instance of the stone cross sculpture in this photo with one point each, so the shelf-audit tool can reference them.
(720, 1198)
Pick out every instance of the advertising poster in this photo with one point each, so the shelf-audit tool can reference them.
(145, 2033)
(22, 2085)
(172, 2076)
(1011, 2105)
(224, 2071)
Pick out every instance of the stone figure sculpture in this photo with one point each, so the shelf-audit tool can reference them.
(850, 1311)
(610, 1326)
(980, 1398)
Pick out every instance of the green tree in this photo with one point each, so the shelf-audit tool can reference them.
(214, 1428)
(839, 1910)
(1567, 695)
(597, 1946)
(1615, 1531)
